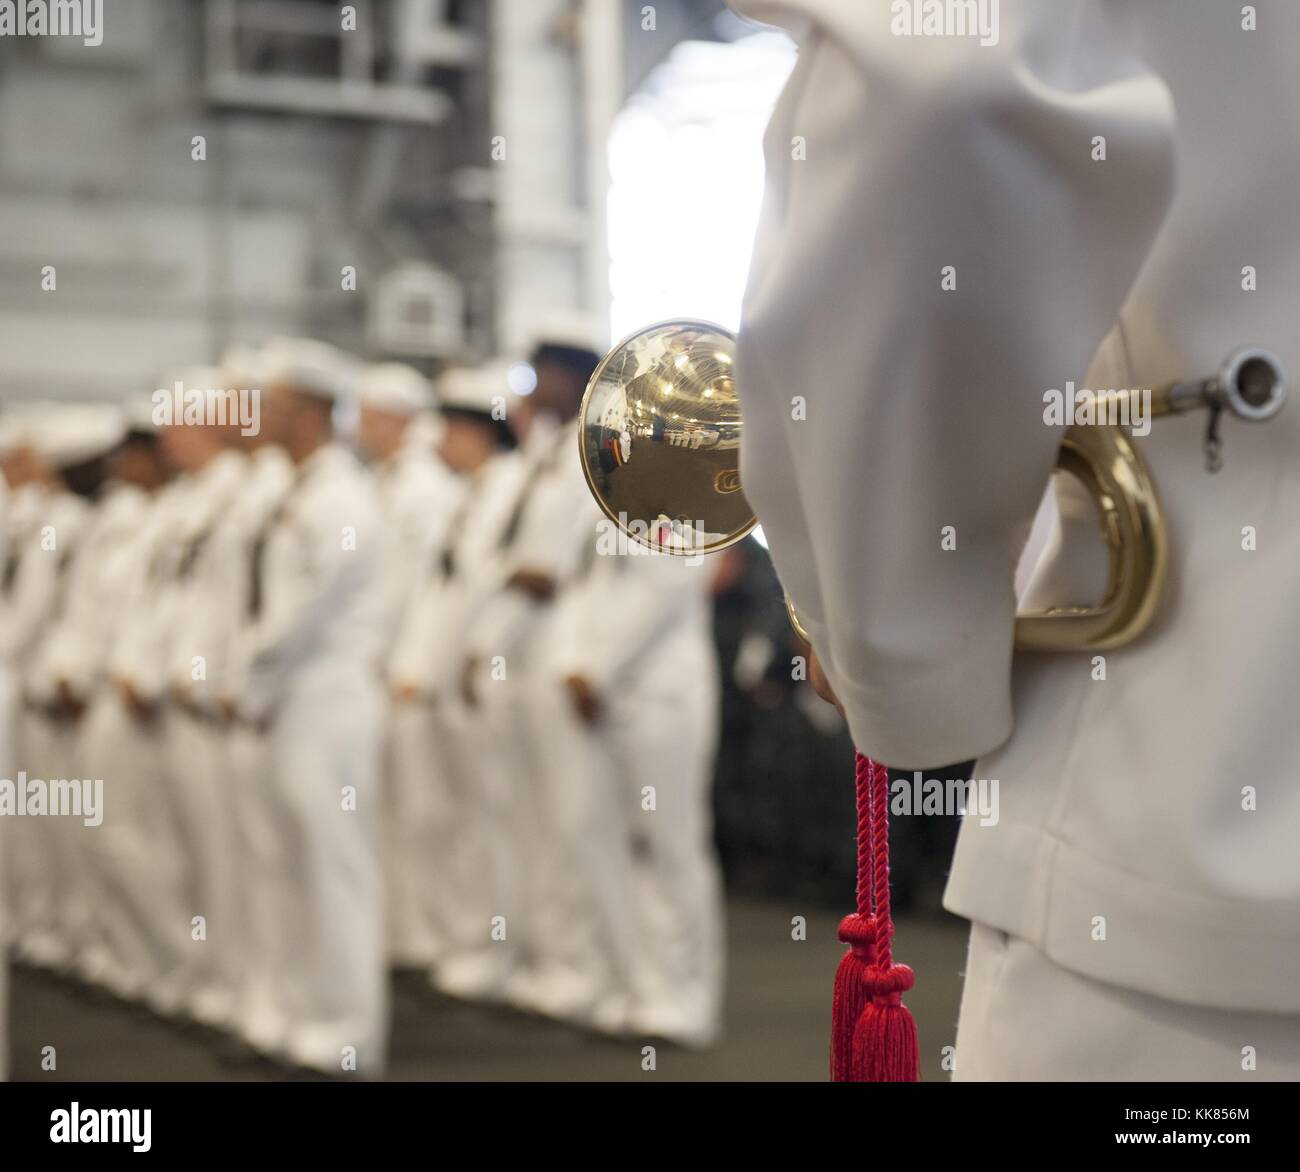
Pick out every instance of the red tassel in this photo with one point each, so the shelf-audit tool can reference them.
(850, 1003)
(873, 1036)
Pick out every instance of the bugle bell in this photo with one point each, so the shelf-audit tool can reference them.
(660, 447)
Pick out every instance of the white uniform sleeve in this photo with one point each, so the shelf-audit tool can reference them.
(312, 571)
(30, 599)
(48, 583)
(498, 615)
(894, 162)
(628, 602)
(558, 529)
(142, 642)
(78, 644)
(414, 654)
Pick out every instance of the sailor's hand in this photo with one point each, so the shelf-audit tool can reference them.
(821, 685)
(183, 697)
(145, 711)
(582, 694)
(70, 704)
(237, 714)
(405, 692)
(539, 586)
(469, 681)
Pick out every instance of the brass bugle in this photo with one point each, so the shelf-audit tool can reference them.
(1252, 385)
(660, 447)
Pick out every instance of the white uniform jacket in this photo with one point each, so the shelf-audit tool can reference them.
(103, 574)
(418, 496)
(551, 524)
(639, 624)
(141, 645)
(430, 648)
(317, 622)
(1105, 195)
(42, 588)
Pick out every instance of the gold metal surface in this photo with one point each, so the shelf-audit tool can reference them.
(660, 444)
(1251, 385)
(796, 623)
(1110, 467)
(660, 438)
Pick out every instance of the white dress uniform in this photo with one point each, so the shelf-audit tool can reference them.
(639, 921)
(44, 750)
(138, 860)
(418, 497)
(552, 525)
(244, 751)
(308, 668)
(465, 892)
(12, 528)
(21, 521)
(1144, 862)
(197, 607)
(76, 654)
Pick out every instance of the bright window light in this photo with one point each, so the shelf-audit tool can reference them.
(686, 163)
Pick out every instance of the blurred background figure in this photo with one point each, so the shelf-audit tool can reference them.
(443, 752)
(306, 683)
(187, 606)
(65, 467)
(235, 600)
(419, 493)
(137, 860)
(541, 548)
(632, 701)
(77, 651)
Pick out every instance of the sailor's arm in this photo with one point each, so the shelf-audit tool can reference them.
(940, 246)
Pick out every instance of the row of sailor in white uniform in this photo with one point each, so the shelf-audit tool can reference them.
(346, 715)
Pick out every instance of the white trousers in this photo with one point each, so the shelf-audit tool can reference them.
(198, 775)
(663, 743)
(583, 919)
(468, 848)
(33, 846)
(530, 752)
(1024, 1018)
(412, 790)
(635, 910)
(323, 884)
(137, 861)
(259, 1015)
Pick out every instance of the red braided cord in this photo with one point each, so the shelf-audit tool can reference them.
(873, 1036)
(873, 854)
(866, 843)
(880, 875)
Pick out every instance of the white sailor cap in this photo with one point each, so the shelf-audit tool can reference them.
(474, 388)
(245, 365)
(14, 432)
(309, 367)
(199, 386)
(22, 414)
(70, 434)
(21, 422)
(396, 388)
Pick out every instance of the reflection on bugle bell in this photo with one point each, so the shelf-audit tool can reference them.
(660, 447)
